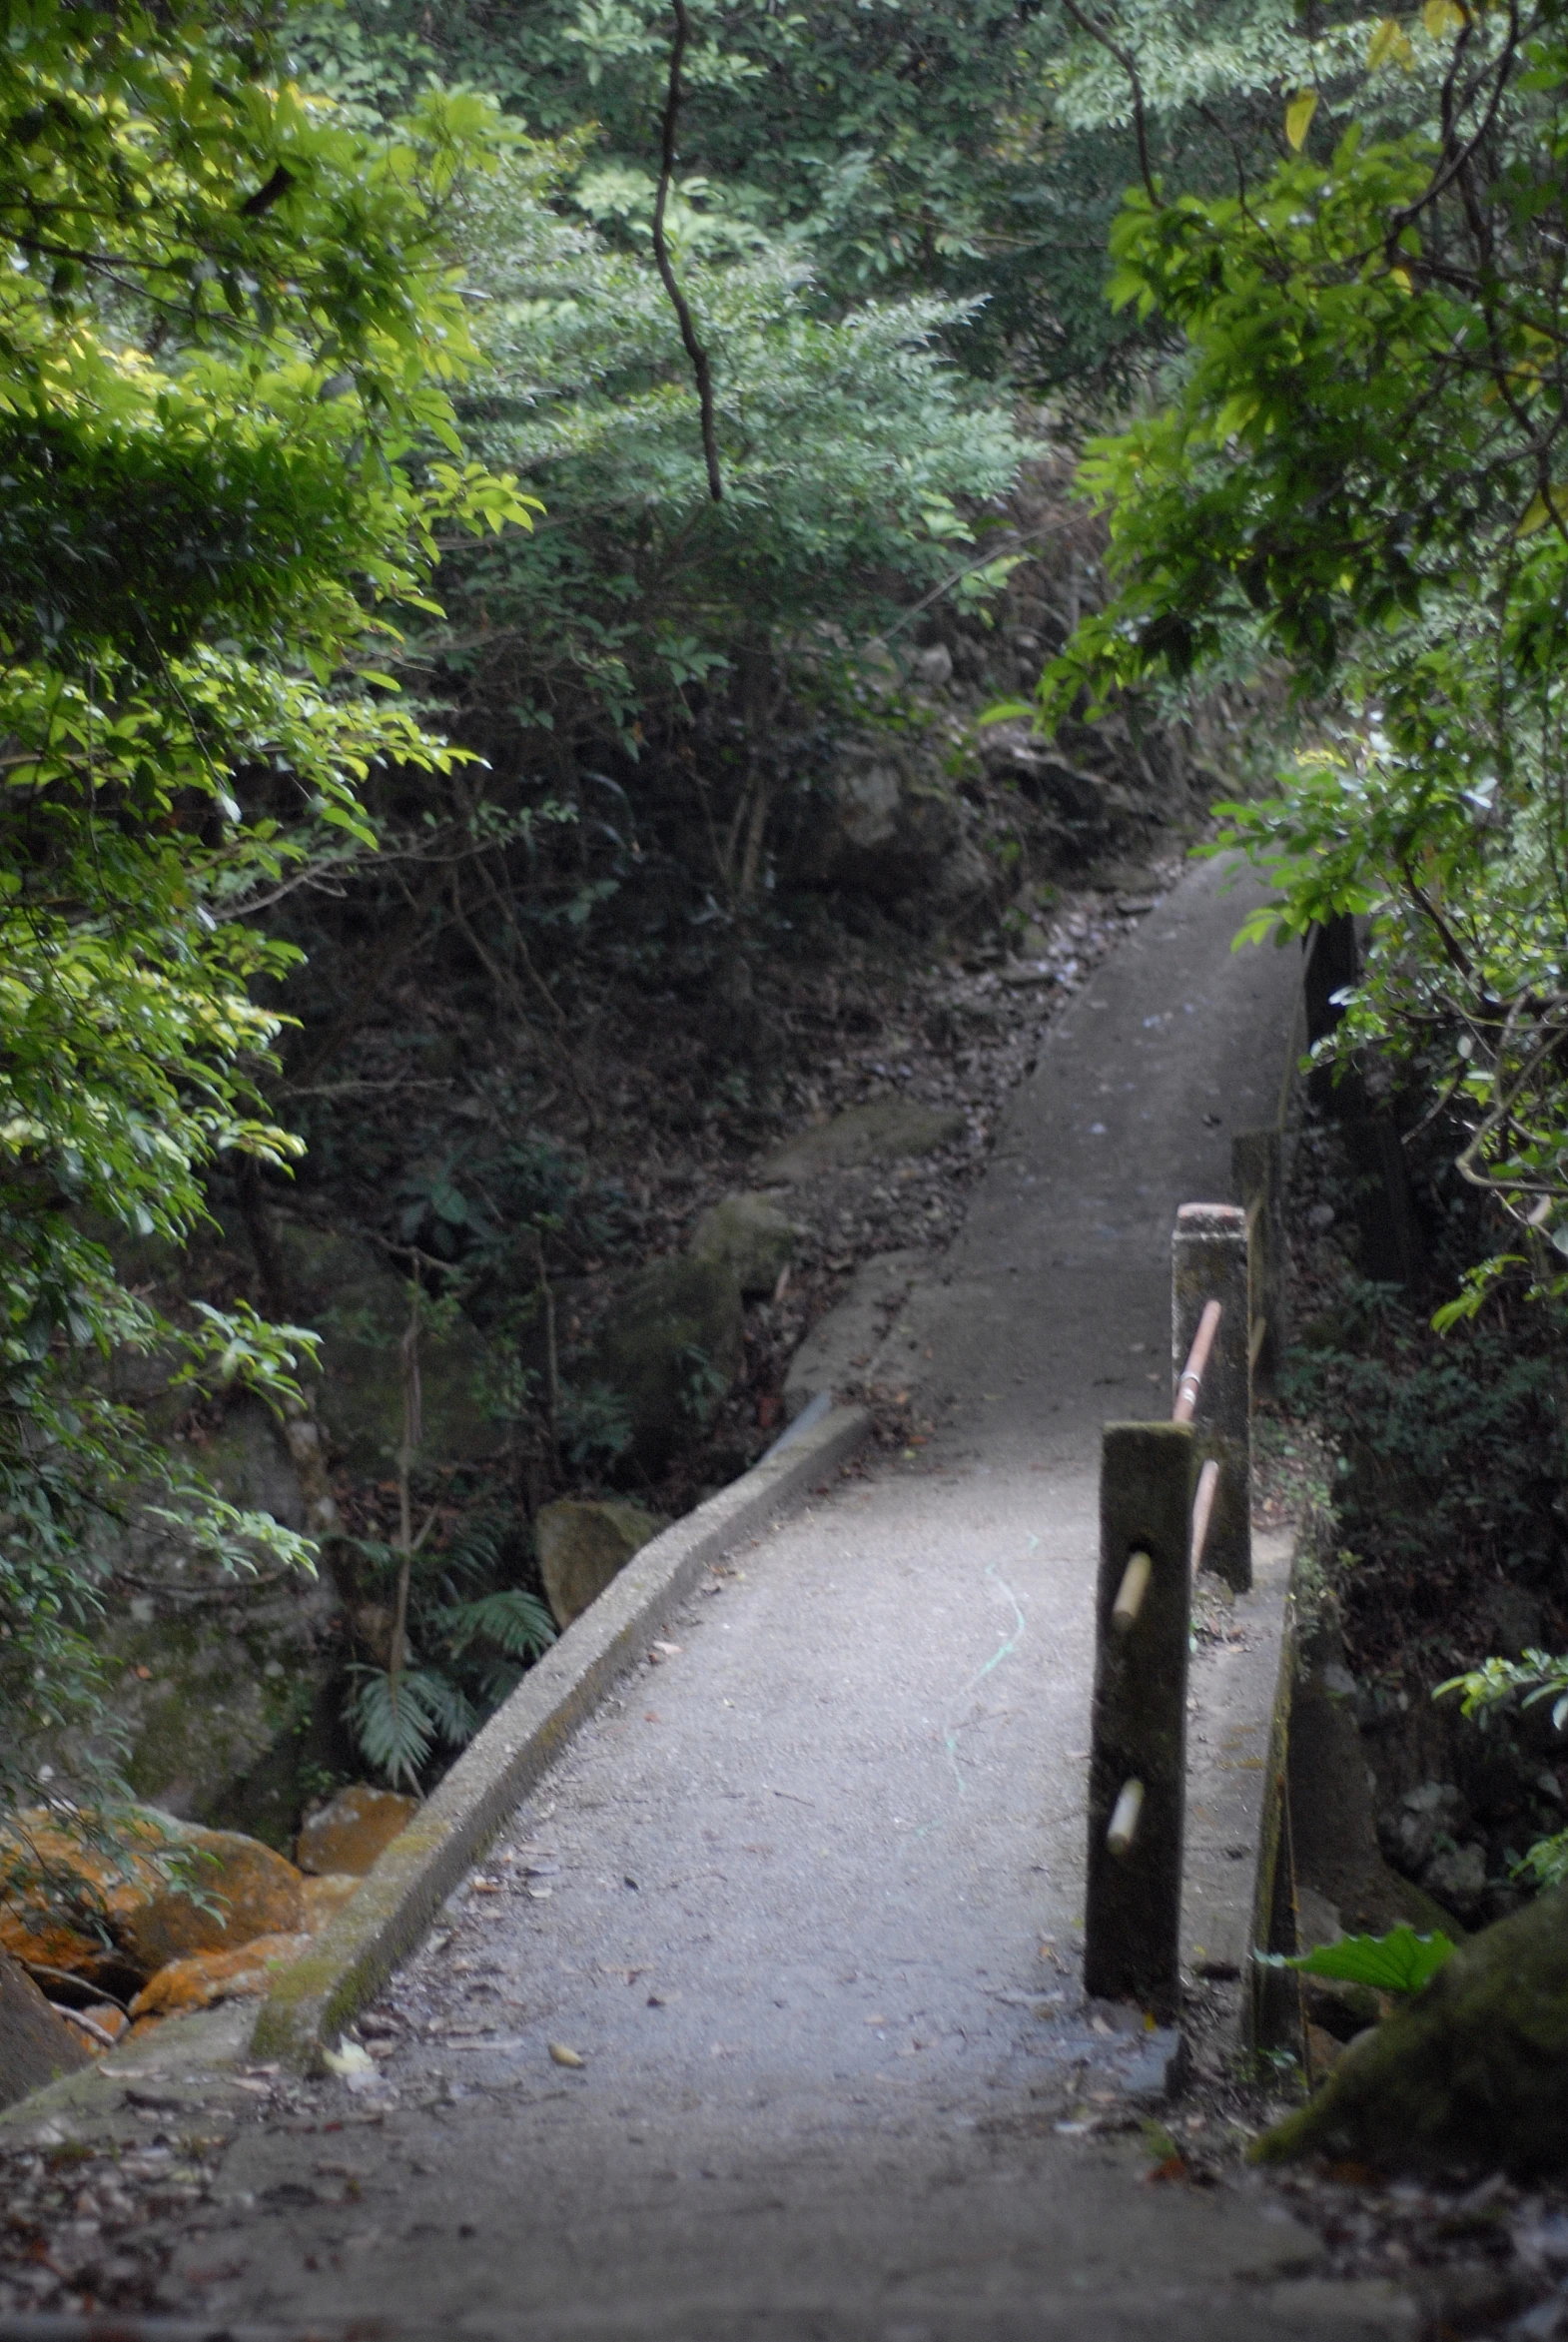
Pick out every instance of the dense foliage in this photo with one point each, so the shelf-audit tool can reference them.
(1358, 476)
(227, 333)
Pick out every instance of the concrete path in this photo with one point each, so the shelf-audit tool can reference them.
(804, 1898)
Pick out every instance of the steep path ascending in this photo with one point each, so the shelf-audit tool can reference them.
(795, 1891)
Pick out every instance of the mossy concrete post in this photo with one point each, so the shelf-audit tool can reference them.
(1208, 1262)
(1132, 1912)
(1255, 1177)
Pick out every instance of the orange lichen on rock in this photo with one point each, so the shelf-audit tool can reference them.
(202, 1977)
(353, 1828)
(228, 1891)
(40, 1942)
(100, 2027)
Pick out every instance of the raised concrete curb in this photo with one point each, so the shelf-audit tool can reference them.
(387, 1918)
(1238, 1722)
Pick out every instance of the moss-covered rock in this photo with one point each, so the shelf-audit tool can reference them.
(217, 1685)
(583, 1546)
(883, 1131)
(752, 1235)
(669, 1349)
(1474, 2071)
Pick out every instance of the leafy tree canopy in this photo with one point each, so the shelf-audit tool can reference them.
(903, 148)
(1358, 477)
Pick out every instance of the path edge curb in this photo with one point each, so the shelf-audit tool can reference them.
(390, 1917)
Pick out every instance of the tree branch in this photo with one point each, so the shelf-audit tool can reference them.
(1129, 65)
(661, 255)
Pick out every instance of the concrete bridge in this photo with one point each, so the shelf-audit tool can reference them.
(762, 2015)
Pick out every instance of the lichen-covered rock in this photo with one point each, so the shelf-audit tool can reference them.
(230, 1889)
(38, 1940)
(669, 1349)
(582, 1546)
(1474, 2072)
(36, 2043)
(244, 1890)
(881, 1131)
(101, 2026)
(202, 1977)
(353, 1828)
(752, 1235)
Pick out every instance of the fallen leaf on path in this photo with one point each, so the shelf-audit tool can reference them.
(347, 2059)
(561, 2056)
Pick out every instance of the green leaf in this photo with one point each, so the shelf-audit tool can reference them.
(1400, 1961)
(1299, 117)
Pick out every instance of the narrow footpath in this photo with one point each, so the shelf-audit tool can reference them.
(805, 1896)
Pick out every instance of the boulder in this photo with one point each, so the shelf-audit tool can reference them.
(229, 1889)
(894, 829)
(669, 1348)
(202, 1977)
(352, 1828)
(40, 1940)
(217, 1685)
(346, 1292)
(1410, 1831)
(236, 1890)
(1080, 803)
(881, 1131)
(36, 2043)
(752, 1236)
(582, 1546)
(1457, 1877)
(1474, 2072)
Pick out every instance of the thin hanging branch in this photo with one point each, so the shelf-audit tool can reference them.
(661, 253)
(1129, 65)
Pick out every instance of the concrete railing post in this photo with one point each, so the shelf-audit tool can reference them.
(1255, 1175)
(1208, 1262)
(1138, 1762)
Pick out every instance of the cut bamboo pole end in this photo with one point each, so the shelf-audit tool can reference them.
(1124, 1820)
(1130, 1591)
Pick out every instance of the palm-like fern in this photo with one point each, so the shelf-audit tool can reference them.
(466, 1645)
